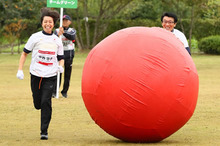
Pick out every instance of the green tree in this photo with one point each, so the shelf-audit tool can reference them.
(13, 32)
(142, 9)
(26, 10)
(99, 12)
(195, 9)
(20, 9)
(211, 10)
(91, 18)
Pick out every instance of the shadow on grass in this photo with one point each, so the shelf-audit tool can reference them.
(120, 142)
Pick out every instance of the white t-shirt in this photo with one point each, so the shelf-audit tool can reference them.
(180, 36)
(45, 49)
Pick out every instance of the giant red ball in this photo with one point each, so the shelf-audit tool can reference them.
(140, 84)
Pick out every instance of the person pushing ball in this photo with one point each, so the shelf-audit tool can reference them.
(169, 21)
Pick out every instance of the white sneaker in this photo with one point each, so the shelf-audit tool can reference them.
(44, 137)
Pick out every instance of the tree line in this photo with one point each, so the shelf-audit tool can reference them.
(95, 19)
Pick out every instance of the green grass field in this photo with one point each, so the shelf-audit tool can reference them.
(71, 123)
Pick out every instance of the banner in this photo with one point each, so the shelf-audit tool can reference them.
(62, 3)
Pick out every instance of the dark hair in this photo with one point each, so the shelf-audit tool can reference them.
(48, 12)
(168, 14)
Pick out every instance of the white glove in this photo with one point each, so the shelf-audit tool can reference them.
(20, 74)
(60, 69)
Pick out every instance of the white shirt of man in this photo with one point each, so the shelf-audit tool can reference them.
(181, 37)
(45, 49)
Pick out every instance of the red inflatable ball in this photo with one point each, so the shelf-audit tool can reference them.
(140, 84)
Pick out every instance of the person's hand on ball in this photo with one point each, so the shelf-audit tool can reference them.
(20, 74)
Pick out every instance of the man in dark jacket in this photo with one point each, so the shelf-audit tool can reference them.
(68, 38)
